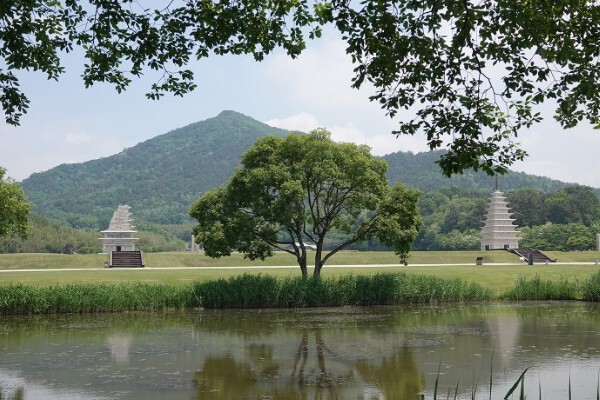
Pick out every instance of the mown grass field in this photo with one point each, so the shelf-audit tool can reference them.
(500, 277)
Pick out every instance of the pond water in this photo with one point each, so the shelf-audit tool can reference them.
(331, 353)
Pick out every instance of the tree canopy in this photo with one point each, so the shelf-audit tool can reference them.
(14, 207)
(472, 73)
(291, 192)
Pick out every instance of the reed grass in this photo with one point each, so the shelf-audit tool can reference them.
(258, 291)
(90, 298)
(537, 288)
(590, 290)
(267, 291)
(245, 291)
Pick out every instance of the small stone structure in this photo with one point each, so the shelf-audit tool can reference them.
(500, 231)
(120, 234)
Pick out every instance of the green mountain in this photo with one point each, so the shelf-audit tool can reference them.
(420, 170)
(161, 177)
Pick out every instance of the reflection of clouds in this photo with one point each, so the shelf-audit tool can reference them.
(505, 334)
(15, 387)
(119, 348)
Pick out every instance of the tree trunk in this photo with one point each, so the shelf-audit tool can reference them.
(302, 263)
(318, 257)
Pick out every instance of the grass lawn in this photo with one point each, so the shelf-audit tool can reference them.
(497, 276)
(187, 259)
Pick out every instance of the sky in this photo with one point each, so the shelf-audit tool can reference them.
(67, 123)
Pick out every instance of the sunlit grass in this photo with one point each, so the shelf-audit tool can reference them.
(499, 277)
(187, 259)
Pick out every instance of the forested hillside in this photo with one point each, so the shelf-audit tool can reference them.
(420, 170)
(159, 178)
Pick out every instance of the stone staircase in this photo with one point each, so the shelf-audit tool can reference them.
(532, 256)
(126, 259)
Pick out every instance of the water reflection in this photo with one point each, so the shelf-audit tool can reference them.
(343, 353)
(315, 371)
(396, 377)
(119, 346)
(12, 394)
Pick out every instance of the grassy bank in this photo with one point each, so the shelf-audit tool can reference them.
(246, 291)
(266, 291)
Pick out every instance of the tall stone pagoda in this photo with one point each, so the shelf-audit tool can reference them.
(499, 231)
(120, 234)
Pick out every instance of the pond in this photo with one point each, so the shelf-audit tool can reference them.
(328, 353)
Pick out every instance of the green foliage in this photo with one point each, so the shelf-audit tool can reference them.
(246, 291)
(251, 291)
(86, 298)
(543, 289)
(48, 236)
(14, 208)
(453, 216)
(292, 192)
(591, 288)
(562, 237)
(172, 170)
(158, 178)
(527, 206)
(420, 171)
(486, 67)
(472, 73)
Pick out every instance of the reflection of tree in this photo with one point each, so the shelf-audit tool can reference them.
(323, 380)
(225, 378)
(397, 377)
(316, 373)
(18, 394)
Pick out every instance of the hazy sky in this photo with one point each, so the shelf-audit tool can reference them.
(67, 123)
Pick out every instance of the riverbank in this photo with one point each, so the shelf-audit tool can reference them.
(266, 291)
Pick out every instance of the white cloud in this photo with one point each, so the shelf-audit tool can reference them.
(303, 122)
(41, 149)
(570, 156)
(380, 144)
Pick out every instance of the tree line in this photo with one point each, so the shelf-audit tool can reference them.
(567, 219)
(48, 236)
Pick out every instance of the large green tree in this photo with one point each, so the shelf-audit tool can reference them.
(14, 207)
(472, 73)
(290, 193)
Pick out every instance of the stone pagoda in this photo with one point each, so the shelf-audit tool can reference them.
(499, 231)
(120, 234)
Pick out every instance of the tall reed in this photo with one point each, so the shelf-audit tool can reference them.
(264, 291)
(80, 298)
(590, 290)
(537, 288)
(256, 291)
